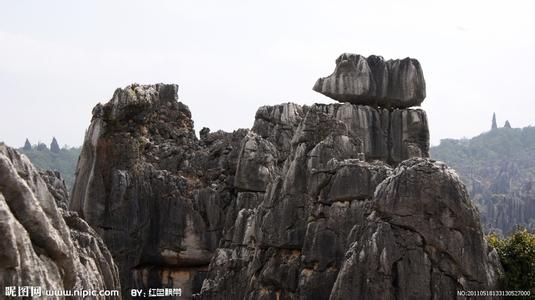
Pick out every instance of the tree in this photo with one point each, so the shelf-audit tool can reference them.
(41, 147)
(54, 146)
(27, 145)
(517, 254)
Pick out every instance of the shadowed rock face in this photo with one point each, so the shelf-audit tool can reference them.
(374, 81)
(44, 245)
(273, 212)
(152, 189)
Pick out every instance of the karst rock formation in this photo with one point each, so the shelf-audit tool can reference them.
(328, 201)
(374, 81)
(44, 245)
(498, 169)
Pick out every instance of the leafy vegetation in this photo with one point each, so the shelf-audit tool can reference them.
(511, 143)
(517, 254)
(64, 161)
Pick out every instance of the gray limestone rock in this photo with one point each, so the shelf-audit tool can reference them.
(54, 146)
(278, 211)
(289, 242)
(374, 81)
(43, 245)
(27, 145)
(295, 239)
(57, 187)
(380, 134)
(277, 124)
(256, 164)
(142, 161)
(423, 240)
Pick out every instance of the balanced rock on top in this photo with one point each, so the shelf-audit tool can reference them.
(374, 81)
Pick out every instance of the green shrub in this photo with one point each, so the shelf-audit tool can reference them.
(517, 254)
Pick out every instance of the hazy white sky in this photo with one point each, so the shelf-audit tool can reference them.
(59, 58)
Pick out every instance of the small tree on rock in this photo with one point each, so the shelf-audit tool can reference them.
(517, 254)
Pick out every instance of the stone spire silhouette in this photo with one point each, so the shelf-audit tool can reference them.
(507, 124)
(494, 124)
(27, 145)
(54, 146)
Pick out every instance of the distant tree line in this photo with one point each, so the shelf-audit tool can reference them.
(53, 157)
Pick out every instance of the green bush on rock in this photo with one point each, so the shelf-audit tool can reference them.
(517, 254)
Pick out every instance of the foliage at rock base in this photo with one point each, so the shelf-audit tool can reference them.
(517, 255)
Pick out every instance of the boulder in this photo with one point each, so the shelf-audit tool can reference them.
(422, 241)
(374, 81)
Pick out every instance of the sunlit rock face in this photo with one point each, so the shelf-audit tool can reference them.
(374, 81)
(44, 245)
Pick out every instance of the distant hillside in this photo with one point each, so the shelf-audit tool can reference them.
(63, 160)
(498, 168)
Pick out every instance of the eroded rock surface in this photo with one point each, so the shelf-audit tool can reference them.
(374, 81)
(293, 241)
(274, 212)
(152, 189)
(43, 245)
(423, 240)
(498, 169)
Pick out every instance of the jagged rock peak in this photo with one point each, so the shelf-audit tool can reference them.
(507, 124)
(54, 146)
(27, 145)
(136, 94)
(423, 241)
(141, 161)
(374, 81)
(136, 106)
(43, 244)
(494, 123)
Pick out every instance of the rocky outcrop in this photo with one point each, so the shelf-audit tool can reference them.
(497, 168)
(54, 146)
(27, 145)
(154, 191)
(43, 245)
(294, 239)
(505, 197)
(374, 81)
(277, 211)
(423, 240)
(56, 186)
